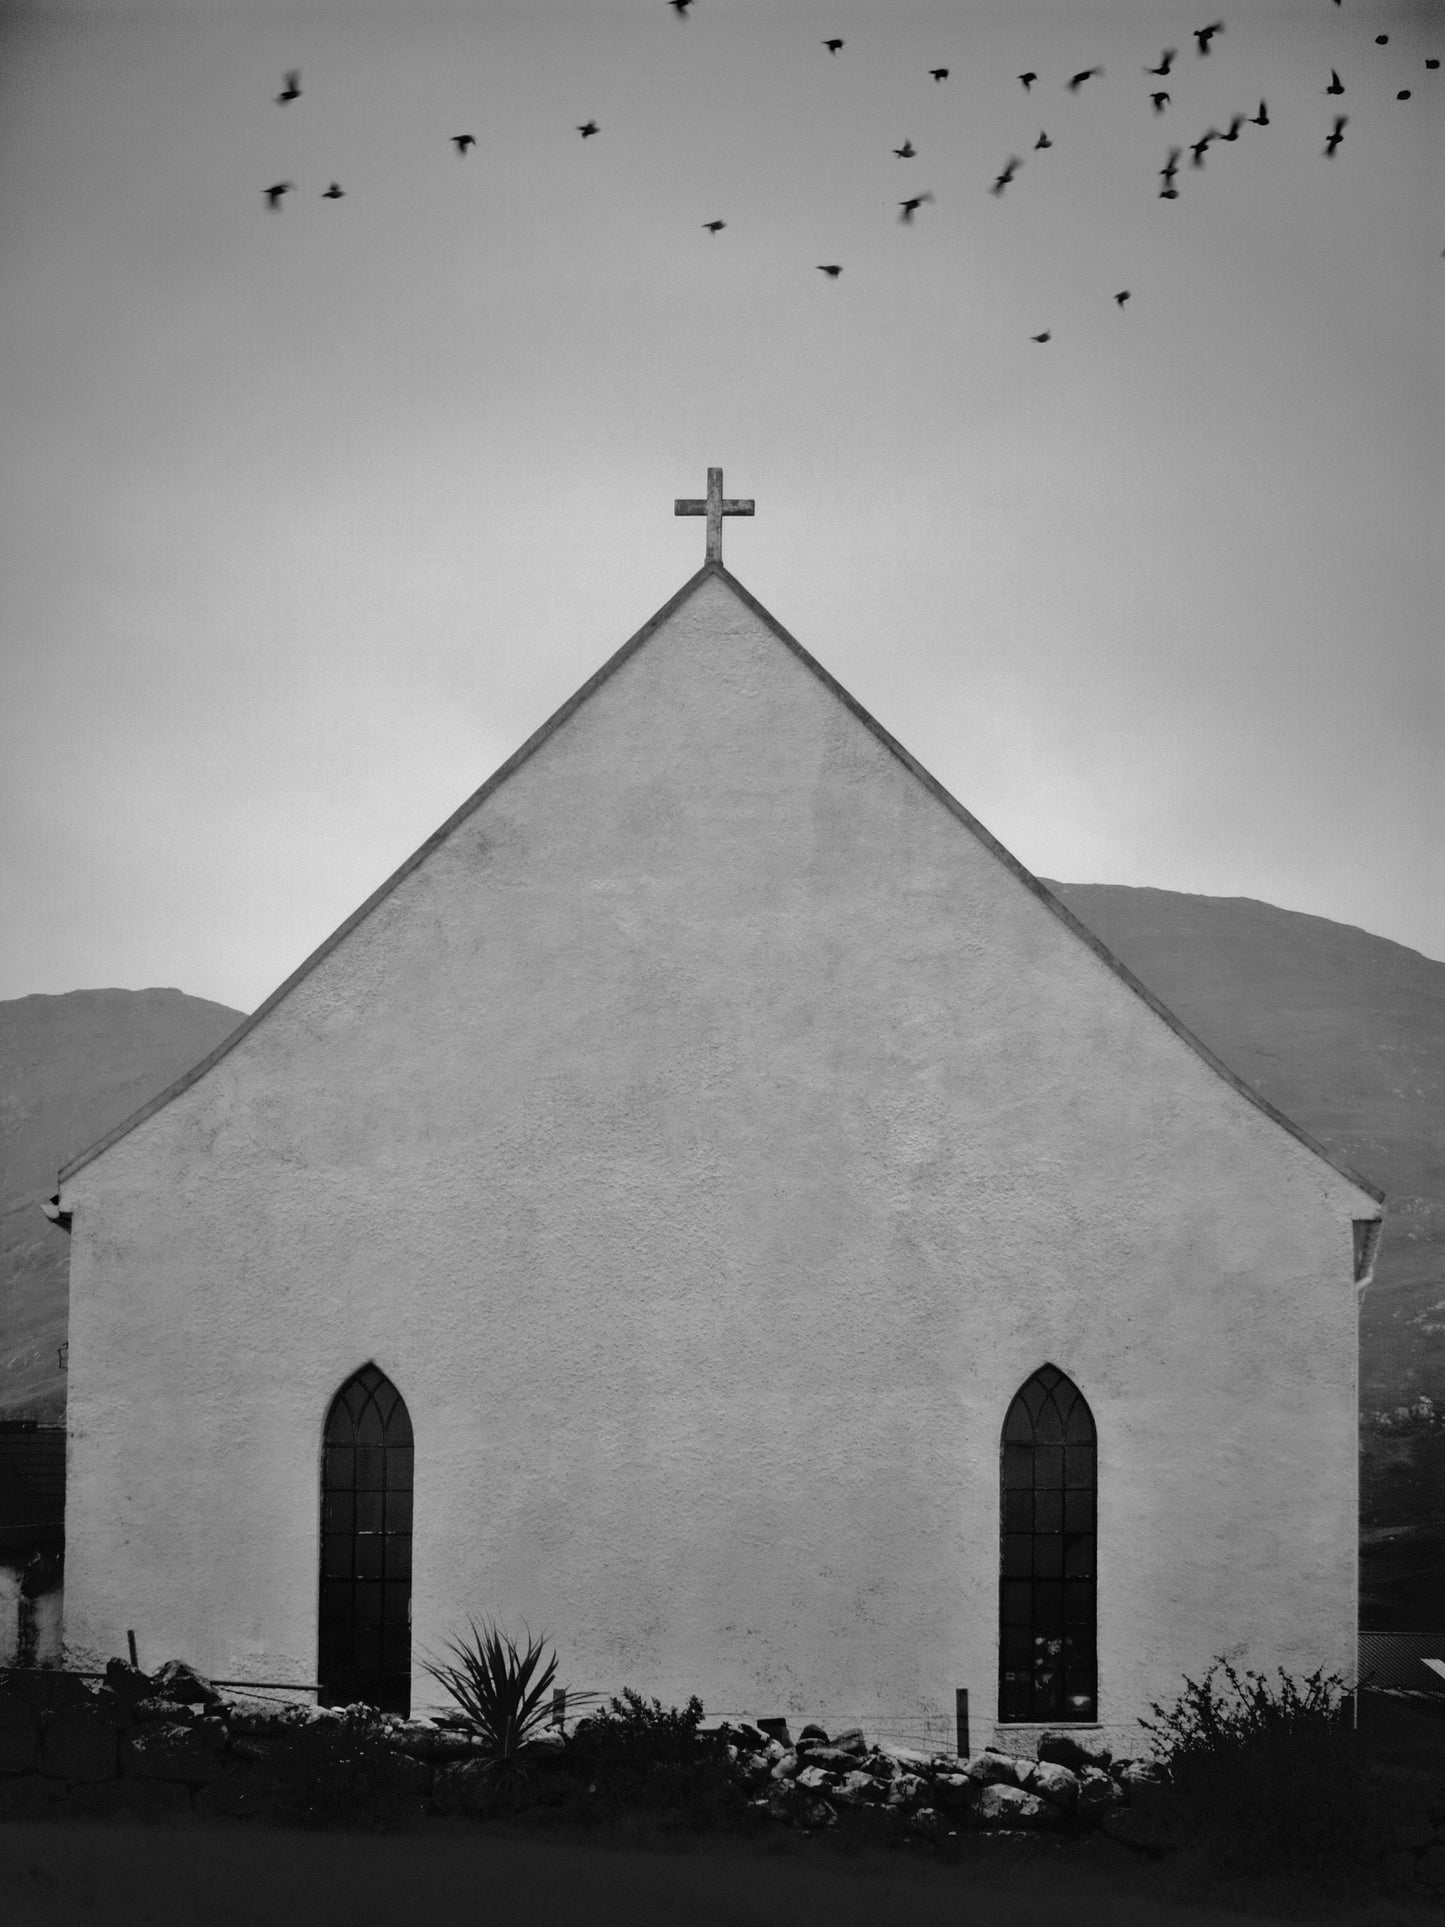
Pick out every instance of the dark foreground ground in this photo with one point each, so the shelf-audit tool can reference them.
(208, 1875)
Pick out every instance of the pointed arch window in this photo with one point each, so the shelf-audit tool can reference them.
(364, 1647)
(1048, 1666)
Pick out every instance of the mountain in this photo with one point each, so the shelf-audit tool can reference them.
(71, 1067)
(1342, 1031)
(1345, 1033)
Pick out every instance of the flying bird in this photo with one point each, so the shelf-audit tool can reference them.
(1007, 175)
(1169, 192)
(1171, 166)
(1382, 40)
(1404, 94)
(1234, 126)
(292, 89)
(273, 194)
(1078, 80)
(680, 7)
(590, 127)
(1197, 147)
(906, 152)
(910, 207)
(714, 227)
(1166, 61)
(831, 268)
(1261, 119)
(939, 73)
(462, 142)
(1432, 62)
(1336, 136)
(1028, 80)
(1159, 101)
(1336, 86)
(1043, 337)
(336, 192)
(1122, 296)
(832, 45)
(1205, 34)
(1042, 141)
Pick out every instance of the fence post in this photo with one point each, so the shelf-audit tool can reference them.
(130, 1641)
(960, 1713)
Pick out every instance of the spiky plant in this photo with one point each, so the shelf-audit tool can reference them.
(504, 1699)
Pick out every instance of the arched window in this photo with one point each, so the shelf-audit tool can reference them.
(1047, 1653)
(364, 1649)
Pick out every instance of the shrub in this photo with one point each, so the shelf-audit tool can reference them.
(637, 1756)
(338, 1773)
(1271, 1780)
(493, 1684)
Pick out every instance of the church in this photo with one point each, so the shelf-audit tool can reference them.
(714, 1208)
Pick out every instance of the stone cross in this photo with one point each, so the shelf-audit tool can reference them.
(714, 508)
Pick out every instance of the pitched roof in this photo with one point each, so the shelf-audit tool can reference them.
(555, 722)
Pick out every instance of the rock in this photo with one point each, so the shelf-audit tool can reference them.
(776, 1729)
(1132, 1773)
(76, 1744)
(991, 1768)
(1098, 1794)
(1073, 1750)
(837, 1759)
(127, 1682)
(816, 1813)
(852, 1741)
(906, 1788)
(177, 1681)
(955, 1792)
(19, 1735)
(925, 1823)
(814, 1779)
(267, 1719)
(175, 1752)
(910, 1758)
(787, 1767)
(858, 1788)
(812, 1735)
(1051, 1782)
(1009, 1806)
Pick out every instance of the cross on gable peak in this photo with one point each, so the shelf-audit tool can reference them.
(714, 507)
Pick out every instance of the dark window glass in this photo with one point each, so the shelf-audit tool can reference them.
(364, 1648)
(1047, 1606)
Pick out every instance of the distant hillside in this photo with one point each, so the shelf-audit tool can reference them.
(1345, 1033)
(71, 1067)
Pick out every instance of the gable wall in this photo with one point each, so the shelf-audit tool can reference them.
(708, 1138)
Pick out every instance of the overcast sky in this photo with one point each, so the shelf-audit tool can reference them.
(311, 517)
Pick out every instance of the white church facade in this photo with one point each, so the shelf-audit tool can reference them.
(713, 1207)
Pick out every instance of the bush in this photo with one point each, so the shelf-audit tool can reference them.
(1272, 1781)
(493, 1684)
(639, 1758)
(338, 1773)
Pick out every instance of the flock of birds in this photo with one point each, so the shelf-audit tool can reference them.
(1160, 99)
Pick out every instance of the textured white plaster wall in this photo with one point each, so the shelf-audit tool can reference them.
(708, 1138)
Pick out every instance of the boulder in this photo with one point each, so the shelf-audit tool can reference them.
(955, 1792)
(814, 1779)
(852, 1741)
(127, 1682)
(1132, 1773)
(776, 1729)
(177, 1681)
(836, 1758)
(787, 1767)
(187, 1752)
(816, 1813)
(1051, 1782)
(1073, 1750)
(813, 1733)
(911, 1758)
(19, 1734)
(77, 1744)
(859, 1789)
(906, 1788)
(1009, 1806)
(925, 1823)
(1098, 1793)
(991, 1768)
